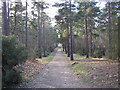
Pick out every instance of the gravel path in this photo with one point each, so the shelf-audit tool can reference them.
(56, 74)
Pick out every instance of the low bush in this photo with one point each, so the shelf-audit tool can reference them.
(81, 51)
(13, 53)
(12, 76)
(97, 54)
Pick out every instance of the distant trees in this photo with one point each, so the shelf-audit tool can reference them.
(97, 32)
(65, 21)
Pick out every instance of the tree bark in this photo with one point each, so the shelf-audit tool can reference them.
(39, 34)
(71, 36)
(15, 20)
(90, 42)
(22, 26)
(5, 20)
(68, 36)
(119, 39)
(26, 28)
(109, 29)
(44, 39)
(86, 29)
(8, 19)
(65, 46)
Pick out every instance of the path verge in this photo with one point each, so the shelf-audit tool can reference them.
(100, 73)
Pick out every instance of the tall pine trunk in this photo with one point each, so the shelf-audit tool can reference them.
(15, 21)
(109, 30)
(22, 25)
(39, 34)
(5, 20)
(8, 25)
(119, 38)
(26, 28)
(65, 45)
(90, 42)
(68, 44)
(71, 36)
(86, 29)
(44, 39)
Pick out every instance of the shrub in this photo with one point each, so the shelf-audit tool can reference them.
(97, 54)
(13, 53)
(12, 76)
(81, 51)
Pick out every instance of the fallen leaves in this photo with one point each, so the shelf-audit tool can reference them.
(103, 74)
(30, 68)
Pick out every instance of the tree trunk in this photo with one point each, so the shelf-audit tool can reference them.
(65, 46)
(8, 25)
(39, 34)
(71, 36)
(5, 20)
(68, 44)
(90, 42)
(44, 39)
(15, 20)
(22, 26)
(119, 39)
(26, 28)
(86, 29)
(109, 29)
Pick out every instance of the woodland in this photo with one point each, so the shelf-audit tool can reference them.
(83, 28)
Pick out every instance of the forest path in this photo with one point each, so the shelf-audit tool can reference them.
(56, 74)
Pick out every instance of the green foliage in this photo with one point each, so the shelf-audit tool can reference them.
(13, 53)
(48, 51)
(32, 54)
(12, 76)
(97, 54)
(113, 55)
(49, 58)
(82, 51)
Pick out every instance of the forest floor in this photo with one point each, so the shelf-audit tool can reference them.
(80, 73)
(99, 72)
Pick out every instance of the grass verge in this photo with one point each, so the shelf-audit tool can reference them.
(49, 58)
(80, 69)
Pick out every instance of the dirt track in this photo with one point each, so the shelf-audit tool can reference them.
(57, 74)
